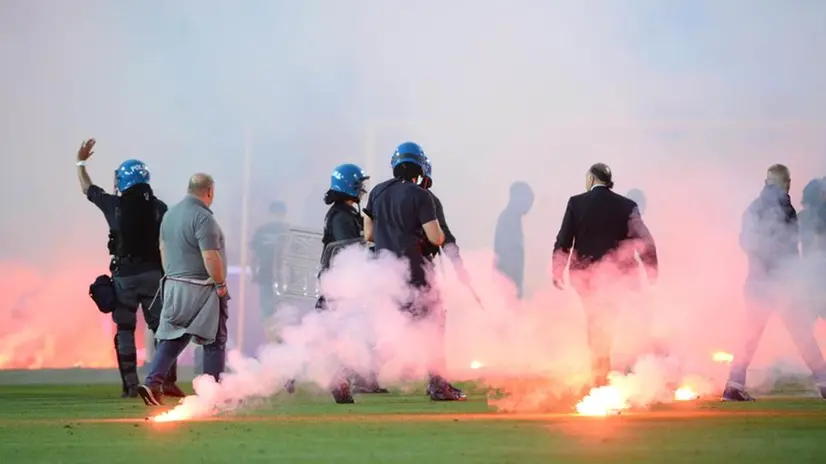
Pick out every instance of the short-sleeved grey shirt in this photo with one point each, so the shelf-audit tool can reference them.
(187, 229)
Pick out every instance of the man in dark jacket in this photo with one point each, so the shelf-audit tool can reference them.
(600, 232)
(769, 237)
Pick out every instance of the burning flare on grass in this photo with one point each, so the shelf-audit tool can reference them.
(174, 415)
(651, 381)
(602, 401)
(208, 402)
(685, 393)
(722, 357)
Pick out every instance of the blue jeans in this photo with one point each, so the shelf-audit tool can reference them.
(167, 352)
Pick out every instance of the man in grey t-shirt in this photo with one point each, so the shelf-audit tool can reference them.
(194, 289)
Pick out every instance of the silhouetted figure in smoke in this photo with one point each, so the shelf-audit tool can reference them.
(597, 224)
(812, 218)
(638, 196)
(509, 238)
(656, 347)
(812, 222)
(769, 237)
(267, 257)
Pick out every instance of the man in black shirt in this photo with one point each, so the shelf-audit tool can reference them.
(600, 232)
(401, 218)
(267, 258)
(134, 219)
(509, 237)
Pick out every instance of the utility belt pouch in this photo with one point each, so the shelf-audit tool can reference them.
(102, 292)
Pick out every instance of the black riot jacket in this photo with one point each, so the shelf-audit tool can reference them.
(136, 256)
(343, 225)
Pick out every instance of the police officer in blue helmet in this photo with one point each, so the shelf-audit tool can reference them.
(450, 247)
(343, 224)
(134, 217)
(343, 227)
(400, 217)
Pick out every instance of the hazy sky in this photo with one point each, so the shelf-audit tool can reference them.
(494, 91)
(688, 100)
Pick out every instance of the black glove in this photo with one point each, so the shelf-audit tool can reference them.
(429, 250)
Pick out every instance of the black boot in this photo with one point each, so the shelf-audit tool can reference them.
(441, 390)
(128, 369)
(342, 394)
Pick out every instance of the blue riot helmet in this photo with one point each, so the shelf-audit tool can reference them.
(349, 180)
(130, 173)
(408, 152)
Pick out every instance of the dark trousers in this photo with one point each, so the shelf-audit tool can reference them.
(427, 305)
(133, 291)
(215, 357)
(266, 297)
(600, 318)
(370, 380)
(764, 298)
(600, 297)
(513, 269)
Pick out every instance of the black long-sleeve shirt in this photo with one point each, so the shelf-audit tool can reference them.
(451, 251)
(440, 215)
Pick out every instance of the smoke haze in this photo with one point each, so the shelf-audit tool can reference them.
(688, 101)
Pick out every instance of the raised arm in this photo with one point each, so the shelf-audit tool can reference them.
(83, 154)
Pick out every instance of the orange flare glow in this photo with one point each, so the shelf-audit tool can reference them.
(183, 411)
(685, 393)
(476, 365)
(179, 413)
(722, 357)
(602, 401)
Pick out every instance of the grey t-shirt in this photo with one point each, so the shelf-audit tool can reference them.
(187, 229)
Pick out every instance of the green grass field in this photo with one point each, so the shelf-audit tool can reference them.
(52, 424)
